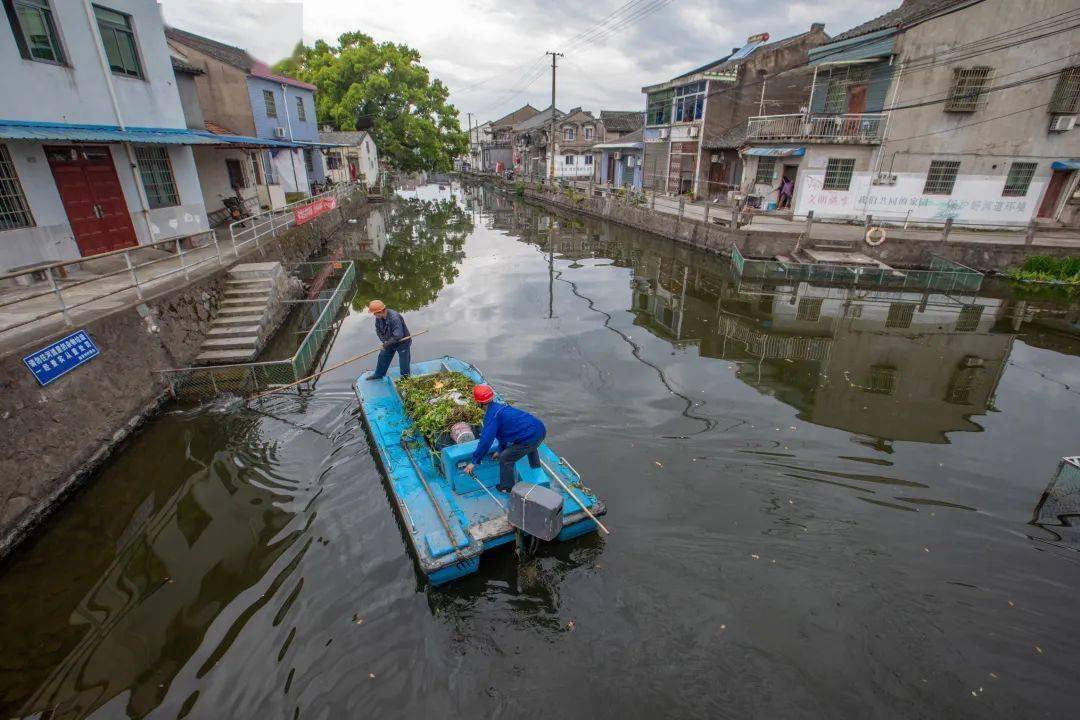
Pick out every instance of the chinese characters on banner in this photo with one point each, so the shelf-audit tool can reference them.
(307, 213)
(61, 357)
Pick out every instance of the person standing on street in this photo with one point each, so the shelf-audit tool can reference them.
(394, 334)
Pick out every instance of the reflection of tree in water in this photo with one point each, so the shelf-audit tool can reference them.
(426, 240)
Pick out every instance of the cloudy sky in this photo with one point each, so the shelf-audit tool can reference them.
(491, 52)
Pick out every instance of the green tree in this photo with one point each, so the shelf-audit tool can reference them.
(415, 127)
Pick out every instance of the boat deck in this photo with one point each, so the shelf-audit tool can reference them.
(449, 518)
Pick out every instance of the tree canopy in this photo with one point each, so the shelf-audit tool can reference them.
(413, 125)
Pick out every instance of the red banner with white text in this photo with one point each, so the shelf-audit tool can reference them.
(307, 213)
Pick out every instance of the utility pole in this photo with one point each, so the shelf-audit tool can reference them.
(470, 141)
(551, 136)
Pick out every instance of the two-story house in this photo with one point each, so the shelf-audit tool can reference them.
(244, 96)
(575, 135)
(531, 142)
(700, 111)
(497, 152)
(916, 116)
(95, 152)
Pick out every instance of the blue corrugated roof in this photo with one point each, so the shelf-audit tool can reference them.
(71, 132)
(23, 130)
(782, 151)
(1071, 164)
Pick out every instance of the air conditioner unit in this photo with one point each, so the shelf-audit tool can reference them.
(664, 132)
(885, 178)
(1062, 123)
(692, 131)
(279, 132)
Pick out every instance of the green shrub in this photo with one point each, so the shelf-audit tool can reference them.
(1045, 269)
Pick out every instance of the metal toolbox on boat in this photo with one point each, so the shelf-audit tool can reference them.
(536, 510)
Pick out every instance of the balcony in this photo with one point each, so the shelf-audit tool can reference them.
(860, 128)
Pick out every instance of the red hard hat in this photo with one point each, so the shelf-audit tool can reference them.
(483, 393)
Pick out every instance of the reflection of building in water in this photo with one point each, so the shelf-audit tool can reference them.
(143, 618)
(892, 365)
(1059, 506)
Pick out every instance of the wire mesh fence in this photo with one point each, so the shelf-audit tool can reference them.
(329, 286)
(943, 275)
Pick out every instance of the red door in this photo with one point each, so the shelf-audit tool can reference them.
(92, 197)
(1053, 192)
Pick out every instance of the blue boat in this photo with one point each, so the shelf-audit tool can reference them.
(449, 518)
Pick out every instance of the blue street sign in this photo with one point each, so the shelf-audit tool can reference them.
(61, 357)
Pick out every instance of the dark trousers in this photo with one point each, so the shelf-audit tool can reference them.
(387, 355)
(511, 454)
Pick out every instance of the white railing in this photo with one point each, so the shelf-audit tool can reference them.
(202, 248)
(253, 228)
(61, 294)
(802, 126)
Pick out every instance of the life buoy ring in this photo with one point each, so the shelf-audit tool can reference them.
(875, 236)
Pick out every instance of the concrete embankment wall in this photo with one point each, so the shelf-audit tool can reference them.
(987, 257)
(56, 435)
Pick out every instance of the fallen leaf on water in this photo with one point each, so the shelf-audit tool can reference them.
(926, 549)
(994, 675)
(756, 557)
(658, 463)
(358, 620)
(1038, 650)
(570, 626)
(371, 675)
(1012, 604)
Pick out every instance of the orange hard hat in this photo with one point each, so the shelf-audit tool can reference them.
(483, 393)
(376, 306)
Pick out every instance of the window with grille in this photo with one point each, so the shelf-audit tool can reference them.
(14, 210)
(942, 177)
(301, 111)
(968, 319)
(157, 176)
(236, 173)
(970, 87)
(766, 170)
(588, 159)
(34, 29)
(268, 168)
(840, 82)
(568, 133)
(1019, 179)
(333, 161)
(568, 159)
(118, 37)
(838, 174)
(900, 315)
(255, 170)
(963, 384)
(882, 379)
(588, 131)
(853, 310)
(309, 161)
(270, 103)
(809, 310)
(1066, 98)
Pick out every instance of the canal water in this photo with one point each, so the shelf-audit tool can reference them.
(825, 502)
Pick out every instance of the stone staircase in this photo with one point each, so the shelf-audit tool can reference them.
(250, 310)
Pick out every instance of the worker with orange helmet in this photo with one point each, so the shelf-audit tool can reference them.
(394, 334)
(519, 435)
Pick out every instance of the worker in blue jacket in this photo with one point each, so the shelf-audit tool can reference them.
(519, 434)
(394, 334)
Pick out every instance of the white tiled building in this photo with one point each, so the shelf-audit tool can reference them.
(96, 155)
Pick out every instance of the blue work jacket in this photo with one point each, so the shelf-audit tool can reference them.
(392, 328)
(508, 425)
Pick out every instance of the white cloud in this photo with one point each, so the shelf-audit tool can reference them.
(482, 48)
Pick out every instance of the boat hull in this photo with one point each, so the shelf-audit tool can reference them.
(451, 522)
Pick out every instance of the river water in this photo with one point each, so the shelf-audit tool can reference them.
(824, 503)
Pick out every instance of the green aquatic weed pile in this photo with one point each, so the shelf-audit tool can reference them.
(435, 402)
(1042, 268)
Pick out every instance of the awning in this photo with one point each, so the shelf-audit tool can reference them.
(220, 139)
(616, 145)
(1073, 164)
(319, 145)
(782, 151)
(63, 132)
